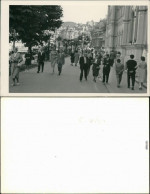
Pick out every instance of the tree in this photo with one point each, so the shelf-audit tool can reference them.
(30, 22)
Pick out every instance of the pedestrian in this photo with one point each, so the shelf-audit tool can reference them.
(131, 66)
(92, 53)
(60, 61)
(119, 68)
(53, 59)
(10, 53)
(112, 57)
(96, 67)
(142, 69)
(106, 68)
(83, 66)
(72, 55)
(118, 56)
(41, 58)
(76, 57)
(15, 60)
(90, 61)
(27, 60)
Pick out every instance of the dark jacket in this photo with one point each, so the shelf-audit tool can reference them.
(107, 63)
(83, 64)
(131, 66)
(96, 68)
(41, 57)
(90, 61)
(28, 58)
(72, 57)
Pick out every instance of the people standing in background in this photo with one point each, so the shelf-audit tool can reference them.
(96, 67)
(15, 60)
(106, 68)
(76, 60)
(119, 68)
(83, 66)
(41, 58)
(60, 61)
(72, 56)
(80, 52)
(92, 50)
(131, 66)
(27, 60)
(53, 59)
(142, 71)
(112, 57)
(100, 57)
(90, 59)
(10, 63)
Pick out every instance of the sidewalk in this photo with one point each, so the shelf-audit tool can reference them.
(68, 82)
(136, 79)
(144, 84)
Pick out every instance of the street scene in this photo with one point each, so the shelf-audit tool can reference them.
(58, 51)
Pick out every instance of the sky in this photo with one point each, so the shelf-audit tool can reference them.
(83, 13)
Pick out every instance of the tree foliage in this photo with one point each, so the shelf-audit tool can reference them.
(31, 21)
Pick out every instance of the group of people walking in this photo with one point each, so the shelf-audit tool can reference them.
(16, 60)
(56, 57)
(87, 60)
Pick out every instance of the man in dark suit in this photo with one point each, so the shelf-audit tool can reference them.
(131, 66)
(83, 66)
(106, 68)
(41, 58)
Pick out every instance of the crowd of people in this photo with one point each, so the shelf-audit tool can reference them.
(97, 60)
(88, 60)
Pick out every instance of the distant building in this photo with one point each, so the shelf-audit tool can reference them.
(126, 30)
(98, 34)
(73, 32)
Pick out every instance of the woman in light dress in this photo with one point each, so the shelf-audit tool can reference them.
(15, 60)
(53, 59)
(142, 71)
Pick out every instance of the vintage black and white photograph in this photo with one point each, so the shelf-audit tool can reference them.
(98, 49)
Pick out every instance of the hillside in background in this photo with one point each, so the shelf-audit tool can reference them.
(71, 24)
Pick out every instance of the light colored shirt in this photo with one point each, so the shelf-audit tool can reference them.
(119, 67)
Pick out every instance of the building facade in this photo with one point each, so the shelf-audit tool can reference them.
(126, 30)
(98, 35)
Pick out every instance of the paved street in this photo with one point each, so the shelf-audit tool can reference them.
(68, 82)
